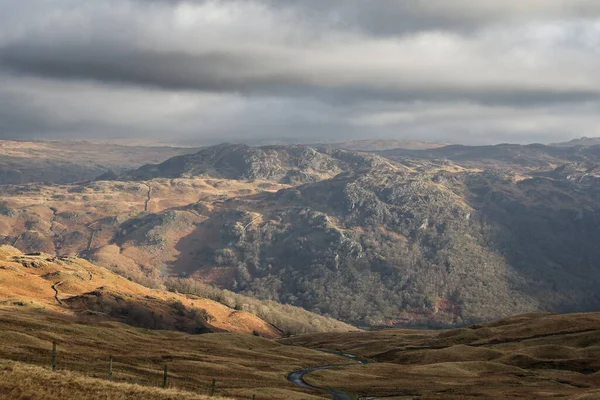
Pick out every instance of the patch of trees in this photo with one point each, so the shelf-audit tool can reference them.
(289, 319)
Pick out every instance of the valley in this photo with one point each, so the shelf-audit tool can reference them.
(528, 356)
(299, 200)
(239, 264)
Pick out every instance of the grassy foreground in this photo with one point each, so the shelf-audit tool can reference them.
(22, 381)
(242, 365)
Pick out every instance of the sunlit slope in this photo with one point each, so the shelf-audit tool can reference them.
(73, 286)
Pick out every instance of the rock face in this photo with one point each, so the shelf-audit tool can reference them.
(284, 164)
(374, 247)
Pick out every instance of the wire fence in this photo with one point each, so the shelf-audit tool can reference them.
(166, 380)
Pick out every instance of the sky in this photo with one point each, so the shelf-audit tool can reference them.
(203, 72)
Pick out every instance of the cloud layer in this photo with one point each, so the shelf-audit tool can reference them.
(206, 71)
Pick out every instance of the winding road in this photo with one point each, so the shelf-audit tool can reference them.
(297, 378)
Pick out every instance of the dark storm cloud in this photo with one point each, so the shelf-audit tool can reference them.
(250, 74)
(299, 69)
(276, 73)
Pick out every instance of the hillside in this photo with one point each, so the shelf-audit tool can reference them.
(397, 247)
(527, 356)
(497, 231)
(75, 287)
(242, 365)
(71, 161)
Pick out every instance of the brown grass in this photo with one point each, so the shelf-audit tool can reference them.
(28, 280)
(529, 356)
(242, 365)
(102, 206)
(20, 381)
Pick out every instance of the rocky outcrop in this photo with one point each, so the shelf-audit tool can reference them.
(284, 164)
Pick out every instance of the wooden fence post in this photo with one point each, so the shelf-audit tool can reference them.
(253, 397)
(165, 377)
(53, 356)
(110, 368)
(213, 386)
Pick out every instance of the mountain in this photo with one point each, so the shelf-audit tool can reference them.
(64, 162)
(382, 144)
(395, 247)
(439, 237)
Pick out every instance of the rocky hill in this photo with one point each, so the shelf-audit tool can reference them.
(390, 246)
(427, 240)
(283, 164)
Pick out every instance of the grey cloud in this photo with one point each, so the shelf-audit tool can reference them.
(279, 72)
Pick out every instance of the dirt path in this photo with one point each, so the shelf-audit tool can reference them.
(148, 196)
(55, 288)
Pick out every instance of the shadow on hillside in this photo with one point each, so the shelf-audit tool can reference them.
(152, 313)
(553, 251)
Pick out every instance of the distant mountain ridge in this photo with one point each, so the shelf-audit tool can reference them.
(73, 161)
(515, 156)
(382, 144)
(583, 141)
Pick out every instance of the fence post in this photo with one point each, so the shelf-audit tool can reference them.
(253, 397)
(53, 356)
(165, 377)
(213, 387)
(110, 368)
